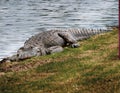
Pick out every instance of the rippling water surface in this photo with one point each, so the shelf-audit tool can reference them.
(19, 19)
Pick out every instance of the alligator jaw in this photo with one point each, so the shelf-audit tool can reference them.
(9, 59)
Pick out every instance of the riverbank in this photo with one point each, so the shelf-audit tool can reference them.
(92, 68)
(24, 18)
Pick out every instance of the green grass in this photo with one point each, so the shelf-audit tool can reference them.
(92, 68)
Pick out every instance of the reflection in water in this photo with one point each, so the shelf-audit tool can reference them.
(19, 19)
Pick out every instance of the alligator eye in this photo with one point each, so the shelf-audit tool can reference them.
(31, 47)
(21, 48)
(17, 55)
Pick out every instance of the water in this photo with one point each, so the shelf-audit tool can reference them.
(19, 19)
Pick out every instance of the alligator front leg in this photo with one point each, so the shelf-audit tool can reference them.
(54, 49)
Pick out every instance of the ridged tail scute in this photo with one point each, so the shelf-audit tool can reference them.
(83, 33)
(97, 31)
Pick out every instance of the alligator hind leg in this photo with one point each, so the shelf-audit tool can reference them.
(70, 40)
(54, 49)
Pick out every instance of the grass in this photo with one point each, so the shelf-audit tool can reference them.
(92, 68)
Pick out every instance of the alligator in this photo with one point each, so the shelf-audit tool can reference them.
(52, 41)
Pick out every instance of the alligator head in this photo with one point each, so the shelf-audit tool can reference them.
(25, 53)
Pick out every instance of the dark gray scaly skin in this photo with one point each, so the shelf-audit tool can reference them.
(51, 41)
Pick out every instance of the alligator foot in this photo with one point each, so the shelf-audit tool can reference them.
(75, 45)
